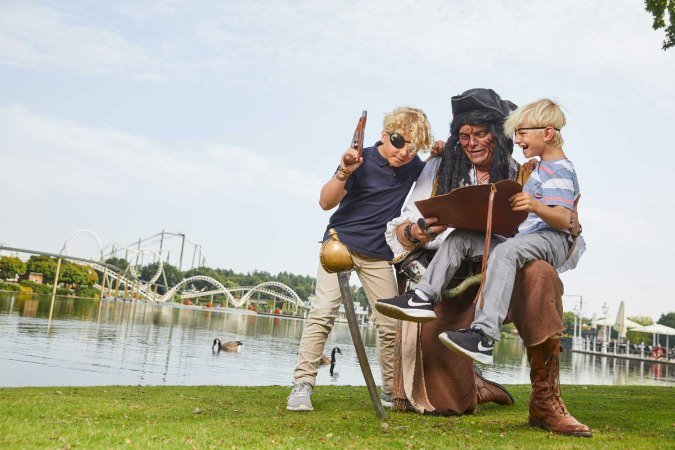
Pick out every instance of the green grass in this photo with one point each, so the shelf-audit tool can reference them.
(255, 417)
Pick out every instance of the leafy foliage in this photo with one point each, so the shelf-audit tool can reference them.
(633, 336)
(667, 319)
(9, 287)
(173, 275)
(11, 266)
(77, 274)
(44, 265)
(658, 9)
(120, 263)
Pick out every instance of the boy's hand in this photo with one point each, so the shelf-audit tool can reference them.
(437, 148)
(522, 201)
(530, 164)
(351, 160)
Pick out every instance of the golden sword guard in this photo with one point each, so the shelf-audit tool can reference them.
(335, 256)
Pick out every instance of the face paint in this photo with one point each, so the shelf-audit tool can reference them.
(478, 144)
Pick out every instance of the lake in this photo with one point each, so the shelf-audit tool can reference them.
(90, 342)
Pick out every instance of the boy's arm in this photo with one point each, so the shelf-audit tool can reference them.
(334, 190)
(557, 198)
(557, 217)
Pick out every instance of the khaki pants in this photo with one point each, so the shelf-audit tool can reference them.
(378, 280)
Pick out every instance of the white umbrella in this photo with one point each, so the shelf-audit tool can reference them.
(603, 322)
(630, 324)
(620, 323)
(658, 329)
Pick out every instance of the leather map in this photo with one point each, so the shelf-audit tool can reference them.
(467, 208)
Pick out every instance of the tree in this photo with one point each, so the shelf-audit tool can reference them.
(11, 266)
(78, 274)
(120, 263)
(359, 296)
(642, 320)
(173, 275)
(568, 323)
(635, 337)
(44, 265)
(658, 9)
(667, 319)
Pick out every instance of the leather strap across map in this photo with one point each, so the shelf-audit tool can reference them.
(486, 249)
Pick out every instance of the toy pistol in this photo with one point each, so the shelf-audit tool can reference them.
(357, 140)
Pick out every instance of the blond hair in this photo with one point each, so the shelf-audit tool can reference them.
(413, 121)
(540, 113)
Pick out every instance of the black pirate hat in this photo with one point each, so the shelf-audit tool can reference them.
(481, 99)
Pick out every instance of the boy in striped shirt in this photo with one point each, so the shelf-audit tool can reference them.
(549, 197)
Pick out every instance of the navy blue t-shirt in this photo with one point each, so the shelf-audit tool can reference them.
(375, 194)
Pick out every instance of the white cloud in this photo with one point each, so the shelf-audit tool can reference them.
(33, 35)
(66, 156)
(277, 43)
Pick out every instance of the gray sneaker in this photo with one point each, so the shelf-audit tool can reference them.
(301, 397)
(387, 399)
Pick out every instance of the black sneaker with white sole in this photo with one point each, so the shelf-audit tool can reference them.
(408, 306)
(472, 343)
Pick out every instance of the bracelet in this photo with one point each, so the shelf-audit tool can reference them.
(408, 234)
(341, 174)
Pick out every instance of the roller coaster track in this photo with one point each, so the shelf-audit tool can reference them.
(288, 294)
(143, 289)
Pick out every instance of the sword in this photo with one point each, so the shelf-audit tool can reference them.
(335, 257)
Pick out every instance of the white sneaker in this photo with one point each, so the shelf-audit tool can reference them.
(300, 398)
(387, 399)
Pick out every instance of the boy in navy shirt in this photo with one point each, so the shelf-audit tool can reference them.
(369, 191)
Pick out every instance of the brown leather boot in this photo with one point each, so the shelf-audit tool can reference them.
(547, 409)
(489, 391)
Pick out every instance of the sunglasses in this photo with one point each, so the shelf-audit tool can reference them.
(398, 140)
(517, 130)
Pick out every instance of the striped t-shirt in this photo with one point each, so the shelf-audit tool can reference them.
(554, 183)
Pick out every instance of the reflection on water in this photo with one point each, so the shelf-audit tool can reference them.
(128, 343)
(511, 367)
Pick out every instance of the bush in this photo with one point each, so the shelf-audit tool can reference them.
(9, 287)
(37, 288)
(44, 288)
(87, 291)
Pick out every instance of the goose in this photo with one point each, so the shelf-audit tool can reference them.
(324, 361)
(229, 346)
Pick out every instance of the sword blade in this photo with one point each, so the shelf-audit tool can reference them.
(343, 279)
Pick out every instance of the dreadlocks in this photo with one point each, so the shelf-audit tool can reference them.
(455, 165)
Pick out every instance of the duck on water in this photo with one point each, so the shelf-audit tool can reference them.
(324, 361)
(228, 346)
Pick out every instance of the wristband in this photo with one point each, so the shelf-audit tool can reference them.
(408, 234)
(341, 174)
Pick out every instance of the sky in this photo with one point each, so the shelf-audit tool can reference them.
(222, 120)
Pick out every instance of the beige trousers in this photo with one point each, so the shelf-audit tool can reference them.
(378, 280)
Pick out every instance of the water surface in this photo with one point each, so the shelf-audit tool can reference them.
(135, 343)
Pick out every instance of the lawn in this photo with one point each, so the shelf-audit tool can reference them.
(255, 417)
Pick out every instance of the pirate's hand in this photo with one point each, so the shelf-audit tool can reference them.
(350, 160)
(437, 148)
(429, 230)
(575, 226)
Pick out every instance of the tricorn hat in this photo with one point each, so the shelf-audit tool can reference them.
(481, 99)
